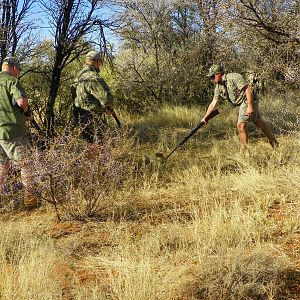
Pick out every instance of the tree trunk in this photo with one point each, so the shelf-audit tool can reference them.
(54, 86)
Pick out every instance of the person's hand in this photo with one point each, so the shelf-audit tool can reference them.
(28, 115)
(108, 110)
(204, 121)
(250, 111)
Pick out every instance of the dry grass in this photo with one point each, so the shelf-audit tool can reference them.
(26, 262)
(207, 224)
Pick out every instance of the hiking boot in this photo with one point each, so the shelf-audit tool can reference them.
(17, 205)
(31, 201)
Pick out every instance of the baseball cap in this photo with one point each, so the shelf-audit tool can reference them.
(94, 55)
(12, 61)
(214, 69)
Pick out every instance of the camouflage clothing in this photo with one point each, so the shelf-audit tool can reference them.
(243, 116)
(92, 94)
(214, 69)
(231, 89)
(12, 120)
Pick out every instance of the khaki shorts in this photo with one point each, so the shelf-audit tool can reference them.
(243, 117)
(15, 150)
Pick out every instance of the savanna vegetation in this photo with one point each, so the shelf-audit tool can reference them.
(208, 223)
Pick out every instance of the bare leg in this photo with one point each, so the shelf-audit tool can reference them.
(260, 123)
(30, 196)
(243, 134)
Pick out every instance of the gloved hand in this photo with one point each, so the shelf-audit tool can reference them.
(109, 110)
(28, 114)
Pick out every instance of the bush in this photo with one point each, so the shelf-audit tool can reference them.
(81, 179)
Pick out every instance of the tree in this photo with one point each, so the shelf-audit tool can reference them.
(276, 20)
(267, 34)
(15, 28)
(73, 22)
(167, 47)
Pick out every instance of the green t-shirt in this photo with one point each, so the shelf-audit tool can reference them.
(12, 120)
(233, 83)
(92, 92)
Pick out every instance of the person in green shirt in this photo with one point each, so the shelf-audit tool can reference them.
(92, 100)
(14, 146)
(233, 88)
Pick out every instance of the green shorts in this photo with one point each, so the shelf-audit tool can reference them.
(243, 117)
(15, 150)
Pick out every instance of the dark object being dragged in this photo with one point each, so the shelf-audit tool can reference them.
(192, 132)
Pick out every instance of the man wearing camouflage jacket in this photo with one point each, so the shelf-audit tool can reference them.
(93, 99)
(235, 89)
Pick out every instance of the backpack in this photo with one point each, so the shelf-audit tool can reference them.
(74, 85)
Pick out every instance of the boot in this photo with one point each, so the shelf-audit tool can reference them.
(31, 201)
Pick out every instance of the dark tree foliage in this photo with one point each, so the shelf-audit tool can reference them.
(167, 46)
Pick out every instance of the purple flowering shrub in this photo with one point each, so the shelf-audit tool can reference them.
(78, 179)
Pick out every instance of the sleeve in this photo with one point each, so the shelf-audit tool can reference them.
(17, 91)
(100, 90)
(217, 94)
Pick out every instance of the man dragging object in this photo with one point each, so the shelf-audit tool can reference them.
(235, 89)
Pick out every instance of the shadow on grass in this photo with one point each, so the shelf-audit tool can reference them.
(154, 213)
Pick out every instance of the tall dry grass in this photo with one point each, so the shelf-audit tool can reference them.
(26, 262)
(207, 224)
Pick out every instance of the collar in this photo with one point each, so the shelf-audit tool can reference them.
(92, 68)
(224, 79)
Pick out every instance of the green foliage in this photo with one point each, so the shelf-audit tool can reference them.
(168, 63)
(179, 79)
(165, 51)
(37, 81)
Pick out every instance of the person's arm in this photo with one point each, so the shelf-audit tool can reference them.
(212, 106)
(246, 88)
(109, 98)
(23, 103)
(24, 106)
(100, 90)
(19, 97)
(249, 95)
